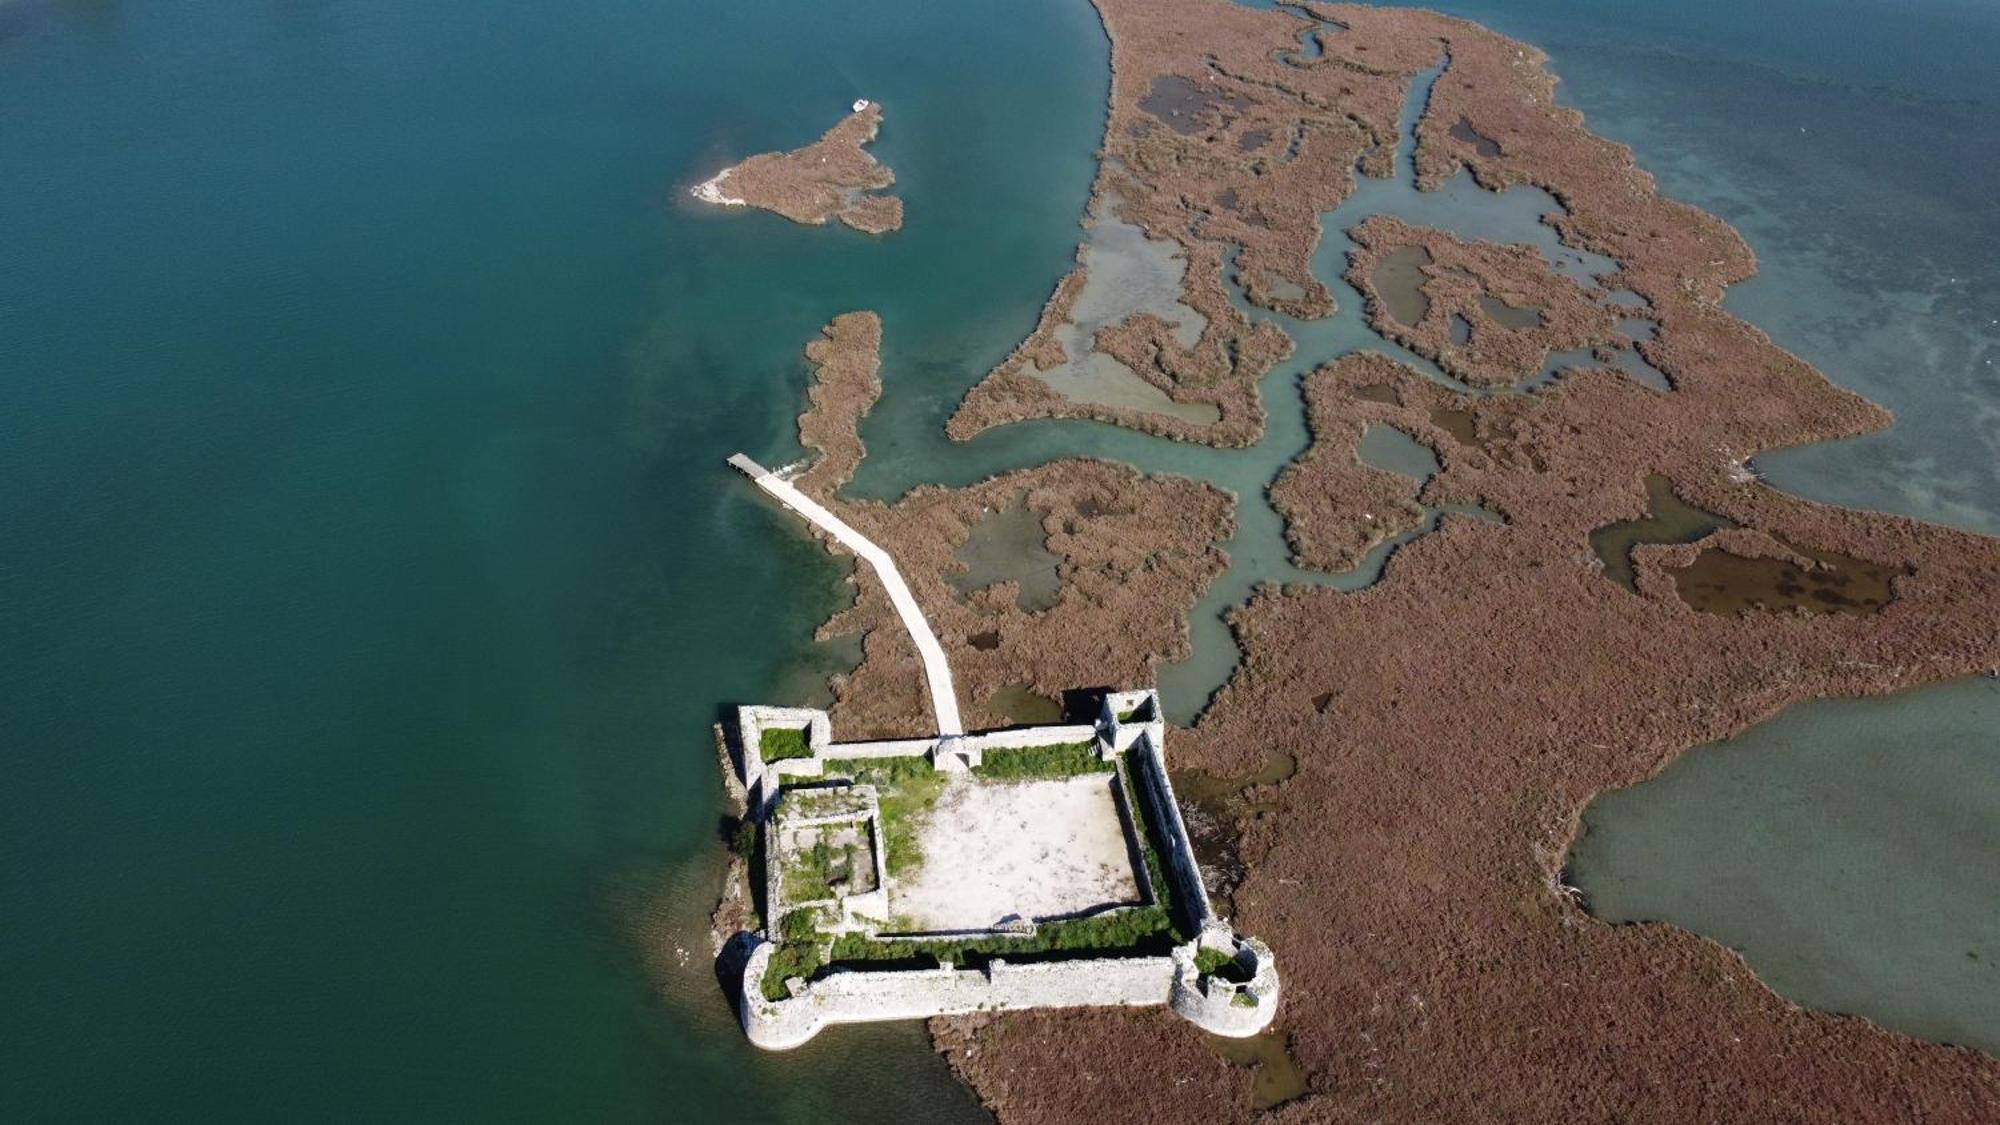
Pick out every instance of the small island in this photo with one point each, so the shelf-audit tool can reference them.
(833, 178)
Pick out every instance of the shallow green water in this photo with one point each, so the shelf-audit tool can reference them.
(369, 573)
(1858, 160)
(1845, 848)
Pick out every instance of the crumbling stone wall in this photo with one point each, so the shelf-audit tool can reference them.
(907, 994)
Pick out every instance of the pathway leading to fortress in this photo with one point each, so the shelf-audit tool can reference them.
(937, 671)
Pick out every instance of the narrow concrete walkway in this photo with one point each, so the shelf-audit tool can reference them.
(944, 696)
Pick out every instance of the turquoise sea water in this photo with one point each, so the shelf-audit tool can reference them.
(369, 576)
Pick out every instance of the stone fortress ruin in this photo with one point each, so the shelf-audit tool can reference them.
(1032, 867)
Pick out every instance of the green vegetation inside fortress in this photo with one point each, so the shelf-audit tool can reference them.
(1071, 759)
(1129, 930)
(905, 789)
(825, 867)
(1138, 930)
(1214, 962)
(1152, 835)
(779, 743)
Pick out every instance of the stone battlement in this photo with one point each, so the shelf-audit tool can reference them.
(827, 853)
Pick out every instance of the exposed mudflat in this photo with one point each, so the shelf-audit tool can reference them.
(1720, 580)
(1668, 519)
(1128, 289)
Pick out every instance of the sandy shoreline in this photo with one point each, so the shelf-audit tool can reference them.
(710, 191)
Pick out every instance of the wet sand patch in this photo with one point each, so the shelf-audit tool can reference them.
(1720, 581)
(1668, 519)
(1376, 392)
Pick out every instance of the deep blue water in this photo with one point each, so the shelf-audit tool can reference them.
(368, 572)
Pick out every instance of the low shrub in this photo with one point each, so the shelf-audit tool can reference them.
(743, 840)
(881, 771)
(800, 926)
(789, 959)
(1144, 929)
(779, 743)
(1065, 760)
(905, 790)
(1215, 963)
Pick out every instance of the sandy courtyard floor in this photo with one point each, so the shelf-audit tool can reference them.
(1033, 848)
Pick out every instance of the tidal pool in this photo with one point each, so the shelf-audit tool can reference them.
(1009, 545)
(1845, 848)
(1481, 144)
(1462, 425)
(1023, 707)
(1724, 582)
(1668, 519)
(1511, 316)
(1125, 274)
(1384, 446)
(1399, 279)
